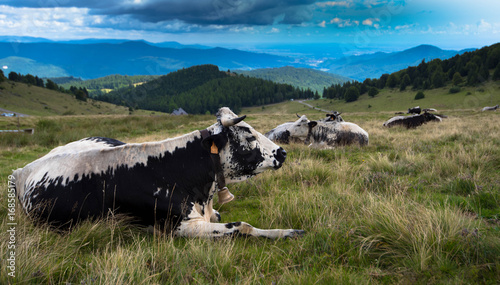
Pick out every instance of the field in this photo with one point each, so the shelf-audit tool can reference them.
(414, 206)
(37, 101)
(487, 94)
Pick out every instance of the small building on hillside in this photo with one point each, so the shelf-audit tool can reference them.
(178, 112)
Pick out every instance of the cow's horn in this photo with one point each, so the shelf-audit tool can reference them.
(231, 122)
(297, 115)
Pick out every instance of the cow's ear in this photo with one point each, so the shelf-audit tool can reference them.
(312, 124)
(220, 141)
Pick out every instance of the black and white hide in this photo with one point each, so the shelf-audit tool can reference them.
(332, 133)
(494, 108)
(414, 110)
(169, 183)
(413, 121)
(334, 117)
(292, 131)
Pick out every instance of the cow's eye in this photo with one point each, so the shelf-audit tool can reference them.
(251, 139)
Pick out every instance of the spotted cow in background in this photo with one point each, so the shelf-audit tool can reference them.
(494, 108)
(413, 121)
(169, 183)
(414, 110)
(291, 131)
(332, 133)
(333, 117)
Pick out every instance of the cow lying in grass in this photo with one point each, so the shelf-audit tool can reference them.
(326, 133)
(292, 131)
(170, 183)
(494, 108)
(413, 121)
(334, 131)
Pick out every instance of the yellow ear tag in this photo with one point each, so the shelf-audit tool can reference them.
(214, 149)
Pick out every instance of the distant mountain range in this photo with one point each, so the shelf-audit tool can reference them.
(374, 65)
(94, 58)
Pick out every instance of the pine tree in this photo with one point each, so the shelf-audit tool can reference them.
(405, 82)
(392, 80)
(373, 92)
(496, 73)
(457, 79)
(351, 94)
(438, 78)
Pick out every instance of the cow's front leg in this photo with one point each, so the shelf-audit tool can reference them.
(213, 214)
(200, 228)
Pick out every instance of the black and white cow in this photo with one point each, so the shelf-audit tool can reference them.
(334, 131)
(291, 131)
(414, 110)
(330, 134)
(494, 108)
(169, 183)
(334, 117)
(413, 121)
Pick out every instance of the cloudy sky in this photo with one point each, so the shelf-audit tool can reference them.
(448, 24)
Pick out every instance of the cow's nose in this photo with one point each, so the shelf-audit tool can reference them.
(283, 152)
(281, 155)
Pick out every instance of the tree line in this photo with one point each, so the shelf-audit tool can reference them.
(79, 93)
(114, 81)
(201, 89)
(470, 69)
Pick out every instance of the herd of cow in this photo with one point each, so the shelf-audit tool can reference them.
(172, 183)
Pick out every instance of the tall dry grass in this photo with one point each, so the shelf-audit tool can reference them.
(414, 206)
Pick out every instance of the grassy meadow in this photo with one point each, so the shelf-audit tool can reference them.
(415, 206)
(37, 101)
(469, 98)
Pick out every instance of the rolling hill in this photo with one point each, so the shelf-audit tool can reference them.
(201, 89)
(32, 100)
(109, 83)
(303, 78)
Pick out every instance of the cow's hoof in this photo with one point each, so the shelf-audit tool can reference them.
(215, 218)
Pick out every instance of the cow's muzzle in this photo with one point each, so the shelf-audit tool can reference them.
(280, 157)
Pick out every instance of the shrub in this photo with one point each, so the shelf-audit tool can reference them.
(352, 94)
(455, 89)
(372, 92)
(420, 95)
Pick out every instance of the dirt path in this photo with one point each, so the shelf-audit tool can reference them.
(17, 114)
(312, 107)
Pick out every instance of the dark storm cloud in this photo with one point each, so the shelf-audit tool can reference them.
(201, 12)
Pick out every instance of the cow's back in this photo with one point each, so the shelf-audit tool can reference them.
(58, 167)
(338, 133)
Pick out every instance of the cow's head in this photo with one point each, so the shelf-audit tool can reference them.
(243, 151)
(301, 128)
(335, 117)
(428, 117)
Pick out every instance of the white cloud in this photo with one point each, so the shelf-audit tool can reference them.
(344, 23)
(483, 26)
(274, 31)
(322, 24)
(344, 4)
(371, 22)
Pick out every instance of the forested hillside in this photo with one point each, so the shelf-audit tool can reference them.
(201, 89)
(115, 81)
(467, 69)
(303, 78)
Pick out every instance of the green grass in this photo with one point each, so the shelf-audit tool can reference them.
(413, 207)
(393, 100)
(37, 101)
